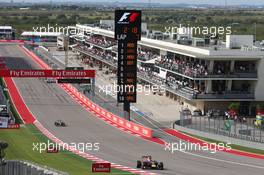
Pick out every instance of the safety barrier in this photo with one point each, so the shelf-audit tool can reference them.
(141, 130)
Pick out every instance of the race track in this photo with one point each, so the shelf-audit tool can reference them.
(48, 102)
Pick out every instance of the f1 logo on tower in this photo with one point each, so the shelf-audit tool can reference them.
(128, 17)
(127, 24)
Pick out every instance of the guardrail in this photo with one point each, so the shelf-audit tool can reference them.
(227, 95)
(219, 125)
(19, 167)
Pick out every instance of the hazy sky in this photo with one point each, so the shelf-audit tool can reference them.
(214, 2)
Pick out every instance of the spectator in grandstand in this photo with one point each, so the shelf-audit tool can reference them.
(101, 41)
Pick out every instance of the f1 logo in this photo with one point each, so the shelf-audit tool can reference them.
(127, 24)
(132, 17)
(125, 15)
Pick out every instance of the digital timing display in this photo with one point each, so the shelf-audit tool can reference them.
(127, 32)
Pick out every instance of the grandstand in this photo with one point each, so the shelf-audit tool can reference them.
(199, 76)
(7, 32)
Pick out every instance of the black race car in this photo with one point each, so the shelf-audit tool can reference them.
(59, 123)
(51, 80)
(147, 163)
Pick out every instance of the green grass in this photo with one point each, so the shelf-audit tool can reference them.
(21, 147)
(233, 146)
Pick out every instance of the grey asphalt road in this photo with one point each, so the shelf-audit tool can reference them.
(48, 102)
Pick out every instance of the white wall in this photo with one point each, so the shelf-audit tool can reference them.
(236, 41)
(109, 23)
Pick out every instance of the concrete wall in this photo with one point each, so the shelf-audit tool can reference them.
(236, 41)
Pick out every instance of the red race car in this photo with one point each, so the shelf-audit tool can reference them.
(147, 163)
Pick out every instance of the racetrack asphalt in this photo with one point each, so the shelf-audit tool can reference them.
(48, 102)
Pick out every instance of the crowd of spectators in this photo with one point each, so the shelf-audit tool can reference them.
(97, 52)
(219, 68)
(170, 82)
(147, 73)
(175, 83)
(146, 55)
(151, 76)
(245, 67)
(100, 41)
(188, 68)
(185, 66)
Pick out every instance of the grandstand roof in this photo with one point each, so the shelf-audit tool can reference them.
(6, 27)
(201, 52)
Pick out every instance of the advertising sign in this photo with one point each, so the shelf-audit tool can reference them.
(101, 167)
(48, 73)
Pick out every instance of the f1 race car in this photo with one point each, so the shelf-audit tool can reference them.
(59, 123)
(51, 80)
(147, 163)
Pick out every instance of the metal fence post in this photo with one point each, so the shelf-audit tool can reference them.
(235, 129)
(214, 126)
(209, 124)
(241, 127)
(260, 135)
(254, 132)
(200, 123)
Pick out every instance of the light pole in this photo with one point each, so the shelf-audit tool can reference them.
(255, 31)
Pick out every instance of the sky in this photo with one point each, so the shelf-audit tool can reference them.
(213, 2)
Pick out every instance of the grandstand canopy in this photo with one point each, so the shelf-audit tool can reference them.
(6, 27)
